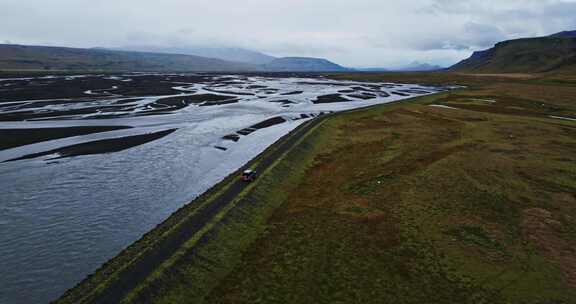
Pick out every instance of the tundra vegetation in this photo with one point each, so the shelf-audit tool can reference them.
(467, 196)
(418, 204)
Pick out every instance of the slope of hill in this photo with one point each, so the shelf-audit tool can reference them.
(229, 54)
(19, 57)
(303, 64)
(529, 55)
(565, 34)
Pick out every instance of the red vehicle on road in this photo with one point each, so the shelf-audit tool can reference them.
(248, 175)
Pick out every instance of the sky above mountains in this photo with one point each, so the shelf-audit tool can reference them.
(359, 33)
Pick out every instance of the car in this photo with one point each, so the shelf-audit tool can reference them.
(248, 175)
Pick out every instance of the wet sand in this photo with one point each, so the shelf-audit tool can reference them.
(12, 138)
(100, 146)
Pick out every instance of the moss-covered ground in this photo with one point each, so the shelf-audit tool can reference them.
(401, 203)
(417, 204)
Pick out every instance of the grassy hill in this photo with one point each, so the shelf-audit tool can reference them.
(556, 53)
(19, 57)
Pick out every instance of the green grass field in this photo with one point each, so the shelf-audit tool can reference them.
(417, 204)
(399, 203)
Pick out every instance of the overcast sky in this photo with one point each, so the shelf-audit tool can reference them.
(357, 33)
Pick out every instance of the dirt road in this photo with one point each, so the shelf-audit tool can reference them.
(129, 277)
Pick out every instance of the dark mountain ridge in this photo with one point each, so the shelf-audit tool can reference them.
(555, 53)
(21, 57)
(304, 64)
(565, 34)
(223, 53)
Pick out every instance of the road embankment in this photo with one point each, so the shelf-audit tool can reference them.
(203, 240)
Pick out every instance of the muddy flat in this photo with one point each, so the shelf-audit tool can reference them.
(20, 137)
(98, 147)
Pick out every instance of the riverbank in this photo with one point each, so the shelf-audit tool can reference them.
(137, 273)
(463, 198)
(459, 197)
(82, 197)
(134, 273)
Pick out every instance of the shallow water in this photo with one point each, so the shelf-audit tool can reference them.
(61, 219)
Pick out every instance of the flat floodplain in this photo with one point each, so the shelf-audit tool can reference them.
(464, 197)
(89, 163)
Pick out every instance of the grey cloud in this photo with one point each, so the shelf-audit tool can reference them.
(482, 35)
(513, 18)
(469, 36)
(353, 33)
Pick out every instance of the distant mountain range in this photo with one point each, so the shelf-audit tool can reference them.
(20, 57)
(303, 64)
(224, 53)
(415, 66)
(373, 69)
(554, 53)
